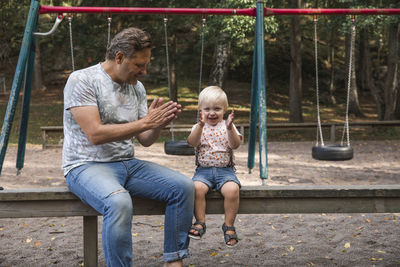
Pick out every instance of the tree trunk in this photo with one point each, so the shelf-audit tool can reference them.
(366, 80)
(331, 60)
(219, 70)
(295, 89)
(354, 104)
(37, 70)
(391, 84)
(173, 70)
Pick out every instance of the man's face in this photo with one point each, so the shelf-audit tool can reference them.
(130, 69)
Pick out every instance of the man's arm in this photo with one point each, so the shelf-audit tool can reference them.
(146, 129)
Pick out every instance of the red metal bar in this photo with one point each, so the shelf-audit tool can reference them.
(332, 11)
(220, 11)
(147, 10)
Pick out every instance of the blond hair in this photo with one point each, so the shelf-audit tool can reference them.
(213, 94)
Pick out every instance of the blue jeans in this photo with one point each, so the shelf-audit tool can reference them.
(108, 188)
(215, 177)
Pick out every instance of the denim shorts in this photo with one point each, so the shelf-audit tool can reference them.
(215, 177)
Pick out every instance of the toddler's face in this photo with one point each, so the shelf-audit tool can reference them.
(212, 113)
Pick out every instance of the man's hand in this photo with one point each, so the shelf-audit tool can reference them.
(229, 120)
(160, 114)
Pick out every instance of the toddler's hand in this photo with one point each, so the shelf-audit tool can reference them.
(229, 120)
(202, 120)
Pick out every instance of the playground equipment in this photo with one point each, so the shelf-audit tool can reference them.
(336, 151)
(258, 95)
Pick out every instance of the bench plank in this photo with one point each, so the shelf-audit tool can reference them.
(49, 202)
(55, 202)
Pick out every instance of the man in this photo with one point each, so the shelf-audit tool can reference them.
(105, 108)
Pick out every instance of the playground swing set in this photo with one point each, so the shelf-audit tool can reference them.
(258, 89)
(258, 96)
(48, 202)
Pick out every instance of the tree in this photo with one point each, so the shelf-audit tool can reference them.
(354, 104)
(367, 81)
(391, 88)
(233, 34)
(295, 88)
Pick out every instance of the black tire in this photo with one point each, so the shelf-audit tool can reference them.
(332, 152)
(180, 147)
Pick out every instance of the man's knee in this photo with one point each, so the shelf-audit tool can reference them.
(120, 201)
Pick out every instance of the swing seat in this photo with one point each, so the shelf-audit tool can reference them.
(180, 147)
(332, 152)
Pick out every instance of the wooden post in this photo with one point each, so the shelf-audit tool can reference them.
(90, 241)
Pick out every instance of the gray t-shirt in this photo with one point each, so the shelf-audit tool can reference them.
(116, 104)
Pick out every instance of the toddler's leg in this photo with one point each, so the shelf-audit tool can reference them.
(201, 190)
(230, 191)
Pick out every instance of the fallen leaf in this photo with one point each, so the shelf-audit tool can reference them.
(367, 220)
(347, 245)
(381, 251)
(1, 229)
(214, 254)
(28, 240)
(259, 234)
(135, 234)
(227, 255)
(291, 248)
(272, 227)
(284, 254)
(37, 243)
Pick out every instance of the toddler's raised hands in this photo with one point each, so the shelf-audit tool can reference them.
(229, 120)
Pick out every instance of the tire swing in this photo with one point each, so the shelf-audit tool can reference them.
(179, 147)
(335, 152)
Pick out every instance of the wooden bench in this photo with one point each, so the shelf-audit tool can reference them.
(242, 126)
(59, 202)
(47, 129)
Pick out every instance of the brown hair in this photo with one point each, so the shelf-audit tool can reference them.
(128, 42)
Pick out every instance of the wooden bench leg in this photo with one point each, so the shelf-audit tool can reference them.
(90, 241)
(43, 139)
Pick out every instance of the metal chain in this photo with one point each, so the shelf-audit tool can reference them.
(168, 70)
(109, 30)
(71, 43)
(319, 128)
(201, 60)
(352, 41)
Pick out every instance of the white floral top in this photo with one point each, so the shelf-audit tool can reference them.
(214, 147)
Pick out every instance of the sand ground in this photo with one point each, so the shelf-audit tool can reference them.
(266, 240)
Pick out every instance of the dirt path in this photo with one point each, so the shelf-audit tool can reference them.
(266, 240)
